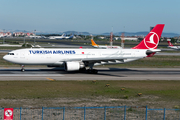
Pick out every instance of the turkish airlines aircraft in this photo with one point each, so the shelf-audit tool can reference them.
(172, 46)
(79, 59)
(105, 47)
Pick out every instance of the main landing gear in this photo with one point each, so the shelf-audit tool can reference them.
(91, 70)
(22, 68)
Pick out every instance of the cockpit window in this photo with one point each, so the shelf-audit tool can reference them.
(10, 54)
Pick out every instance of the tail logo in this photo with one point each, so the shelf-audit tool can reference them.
(151, 41)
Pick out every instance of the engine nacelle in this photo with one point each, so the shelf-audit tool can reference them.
(73, 66)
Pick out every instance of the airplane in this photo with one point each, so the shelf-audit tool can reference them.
(105, 47)
(172, 46)
(35, 36)
(78, 59)
(69, 37)
(58, 37)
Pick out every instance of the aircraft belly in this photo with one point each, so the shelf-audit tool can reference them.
(39, 60)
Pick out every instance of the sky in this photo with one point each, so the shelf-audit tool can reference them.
(94, 16)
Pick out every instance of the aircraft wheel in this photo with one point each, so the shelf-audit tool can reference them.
(22, 70)
(95, 71)
(82, 69)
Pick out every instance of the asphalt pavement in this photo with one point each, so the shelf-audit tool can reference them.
(14, 73)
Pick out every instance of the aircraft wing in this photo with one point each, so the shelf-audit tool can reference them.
(116, 59)
(104, 59)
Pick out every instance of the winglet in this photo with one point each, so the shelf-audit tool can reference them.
(151, 41)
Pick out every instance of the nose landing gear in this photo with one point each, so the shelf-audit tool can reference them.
(22, 68)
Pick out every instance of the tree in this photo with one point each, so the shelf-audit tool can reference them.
(173, 40)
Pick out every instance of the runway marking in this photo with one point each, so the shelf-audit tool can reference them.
(17, 72)
(33, 75)
(50, 79)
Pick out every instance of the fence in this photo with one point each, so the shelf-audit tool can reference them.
(93, 113)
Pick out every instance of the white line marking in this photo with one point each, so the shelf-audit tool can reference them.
(40, 75)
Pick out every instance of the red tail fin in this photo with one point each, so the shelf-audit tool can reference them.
(169, 42)
(151, 41)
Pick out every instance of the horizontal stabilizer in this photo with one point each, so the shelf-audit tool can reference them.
(151, 52)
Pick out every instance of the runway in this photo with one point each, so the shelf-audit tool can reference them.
(50, 74)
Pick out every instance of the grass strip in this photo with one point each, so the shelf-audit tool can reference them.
(167, 90)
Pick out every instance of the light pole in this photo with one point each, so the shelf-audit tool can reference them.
(3, 36)
(24, 37)
(34, 37)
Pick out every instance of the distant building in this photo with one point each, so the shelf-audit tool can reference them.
(30, 34)
(17, 34)
(1, 34)
(178, 39)
(6, 34)
(131, 38)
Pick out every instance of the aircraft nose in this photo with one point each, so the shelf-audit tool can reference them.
(5, 57)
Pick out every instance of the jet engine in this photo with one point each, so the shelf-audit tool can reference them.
(73, 66)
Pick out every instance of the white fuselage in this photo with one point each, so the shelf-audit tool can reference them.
(42, 56)
(56, 37)
(107, 47)
(174, 47)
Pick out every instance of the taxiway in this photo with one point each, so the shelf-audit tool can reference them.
(14, 73)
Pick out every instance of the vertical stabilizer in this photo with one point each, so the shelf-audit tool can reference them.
(169, 42)
(93, 43)
(151, 41)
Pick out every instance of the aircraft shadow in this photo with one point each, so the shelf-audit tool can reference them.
(111, 70)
